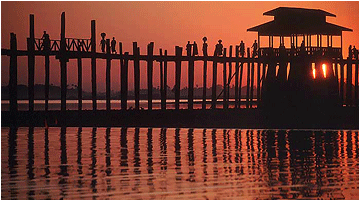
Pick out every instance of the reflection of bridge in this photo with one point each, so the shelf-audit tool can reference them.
(264, 68)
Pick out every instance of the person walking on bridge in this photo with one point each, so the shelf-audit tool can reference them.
(113, 46)
(255, 48)
(195, 49)
(46, 41)
(205, 46)
(103, 42)
(218, 49)
(188, 49)
(242, 49)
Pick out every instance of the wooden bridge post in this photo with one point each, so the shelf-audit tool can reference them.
(165, 78)
(63, 65)
(93, 65)
(124, 81)
(13, 75)
(136, 53)
(31, 64)
(230, 75)
(342, 81)
(150, 51)
(248, 79)
(356, 82)
(240, 82)
(213, 93)
(79, 63)
(225, 105)
(178, 55)
(252, 83)
(237, 76)
(258, 81)
(349, 82)
(204, 83)
(108, 70)
(162, 80)
(191, 82)
(47, 77)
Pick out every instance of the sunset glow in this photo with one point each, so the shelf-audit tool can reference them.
(314, 73)
(324, 70)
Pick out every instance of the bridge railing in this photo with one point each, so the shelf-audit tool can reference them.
(313, 51)
(72, 44)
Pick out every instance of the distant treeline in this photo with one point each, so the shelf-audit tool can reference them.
(72, 93)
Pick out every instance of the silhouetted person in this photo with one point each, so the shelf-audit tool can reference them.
(195, 50)
(350, 51)
(255, 48)
(242, 49)
(103, 42)
(188, 49)
(219, 48)
(205, 46)
(113, 46)
(355, 53)
(46, 41)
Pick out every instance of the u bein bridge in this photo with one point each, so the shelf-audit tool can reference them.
(297, 76)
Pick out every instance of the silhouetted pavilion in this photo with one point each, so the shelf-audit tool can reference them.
(300, 22)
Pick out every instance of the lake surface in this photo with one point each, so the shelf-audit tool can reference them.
(159, 163)
(23, 105)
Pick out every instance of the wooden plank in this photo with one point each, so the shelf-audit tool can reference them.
(204, 83)
(178, 52)
(237, 66)
(79, 63)
(13, 75)
(191, 83)
(349, 82)
(93, 65)
(124, 82)
(108, 70)
(136, 75)
(165, 77)
(225, 105)
(162, 82)
(63, 65)
(150, 51)
(248, 81)
(31, 64)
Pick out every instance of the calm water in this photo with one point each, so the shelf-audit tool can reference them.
(155, 163)
(115, 104)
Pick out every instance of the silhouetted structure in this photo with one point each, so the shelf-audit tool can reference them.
(292, 86)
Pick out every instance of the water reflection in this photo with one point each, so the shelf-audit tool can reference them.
(161, 163)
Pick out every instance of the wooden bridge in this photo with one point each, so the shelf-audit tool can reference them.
(233, 68)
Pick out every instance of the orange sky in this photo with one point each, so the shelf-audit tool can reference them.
(166, 23)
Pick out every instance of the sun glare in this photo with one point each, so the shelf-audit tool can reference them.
(314, 73)
(324, 70)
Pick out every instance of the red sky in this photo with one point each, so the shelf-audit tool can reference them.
(166, 23)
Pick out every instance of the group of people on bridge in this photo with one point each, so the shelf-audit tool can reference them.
(192, 49)
(103, 44)
(353, 52)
